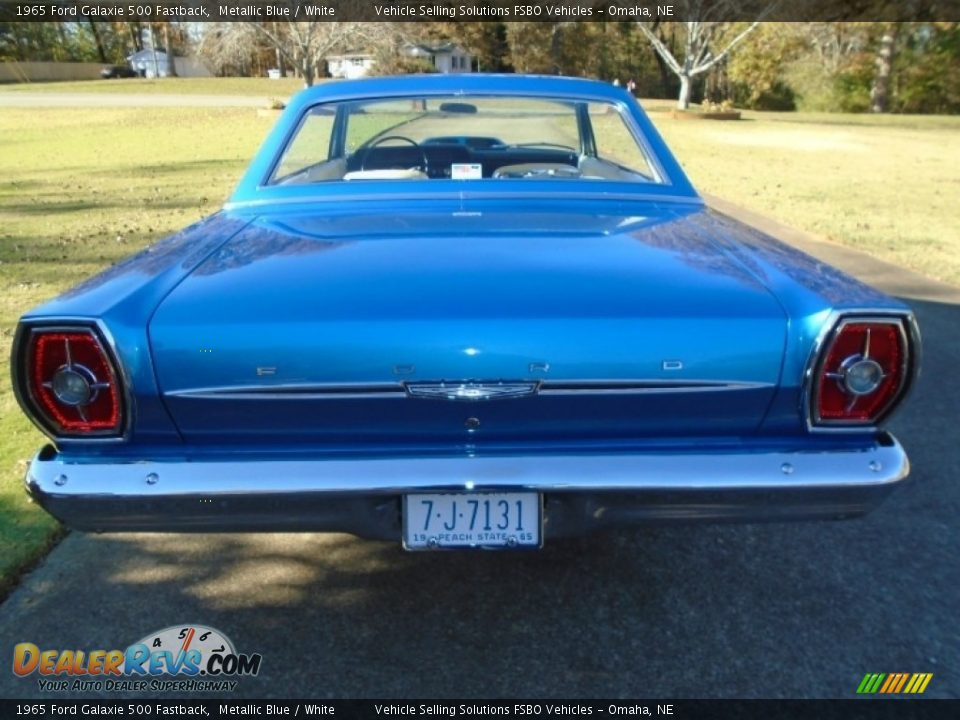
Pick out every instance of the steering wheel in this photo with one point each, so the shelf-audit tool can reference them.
(370, 146)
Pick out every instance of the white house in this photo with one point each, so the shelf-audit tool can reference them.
(349, 65)
(153, 63)
(445, 57)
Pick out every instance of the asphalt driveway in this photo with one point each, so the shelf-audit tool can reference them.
(793, 610)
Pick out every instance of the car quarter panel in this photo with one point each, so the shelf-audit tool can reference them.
(812, 293)
(119, 302)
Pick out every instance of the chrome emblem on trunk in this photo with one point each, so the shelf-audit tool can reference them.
(471, 391)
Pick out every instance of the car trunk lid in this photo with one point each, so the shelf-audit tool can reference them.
(456, 326)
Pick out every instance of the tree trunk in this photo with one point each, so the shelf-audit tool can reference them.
(666, 76)
(683, 100)
(135, 36)
(61, 47)
(153, 52)
(168, 48)
(281, 64)
(96, 38)
(880, 92)
(556, 50)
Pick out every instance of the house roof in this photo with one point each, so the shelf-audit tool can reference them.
(340, 56)
(436, 48)
(145, 54)
(424, 48)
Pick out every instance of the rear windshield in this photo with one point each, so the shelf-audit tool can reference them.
(464, 137)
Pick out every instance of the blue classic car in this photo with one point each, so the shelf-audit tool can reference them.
(463, 311)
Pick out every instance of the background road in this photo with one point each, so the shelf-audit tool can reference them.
(700, 611)
(101, 100)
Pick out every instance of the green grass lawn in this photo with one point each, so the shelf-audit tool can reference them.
(887, 185)
(80, 190)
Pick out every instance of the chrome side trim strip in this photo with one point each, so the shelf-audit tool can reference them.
(332, 391)
(646, 387)
(486, 390)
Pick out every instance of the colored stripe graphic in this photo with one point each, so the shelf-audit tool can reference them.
(871, 683)
(894, 683)
(892, 680)
(918, 683)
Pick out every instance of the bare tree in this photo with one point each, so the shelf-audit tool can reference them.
(833, 42)
(305, 44)
(136, 37)
(700, 37)
(228, 47)
(101, 54)
(880, 92)
(153, 50)
(168, 48)
(281, 63)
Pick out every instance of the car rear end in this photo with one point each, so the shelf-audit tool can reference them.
(472, 355)
(391, 403)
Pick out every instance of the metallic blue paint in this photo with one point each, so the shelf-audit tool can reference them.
(488, 295)
(297, 290)
(122, 299)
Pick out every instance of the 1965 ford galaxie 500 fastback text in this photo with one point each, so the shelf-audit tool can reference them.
(463, 311)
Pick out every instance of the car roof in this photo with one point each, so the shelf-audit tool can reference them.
(455, 83)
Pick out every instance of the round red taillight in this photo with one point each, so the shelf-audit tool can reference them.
(862, 372)
(72, 382)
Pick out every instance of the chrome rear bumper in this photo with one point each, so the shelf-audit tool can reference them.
(582, 492)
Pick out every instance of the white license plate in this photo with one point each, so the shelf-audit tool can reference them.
(467, 520)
